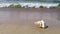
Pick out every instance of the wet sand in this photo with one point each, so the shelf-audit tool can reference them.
(20, 21)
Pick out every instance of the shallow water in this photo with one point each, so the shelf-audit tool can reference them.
(12, 14)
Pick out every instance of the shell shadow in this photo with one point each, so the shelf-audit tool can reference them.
(44, 27)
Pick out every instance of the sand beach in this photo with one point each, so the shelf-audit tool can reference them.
(21, 20)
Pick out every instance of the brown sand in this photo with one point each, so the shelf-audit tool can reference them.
(27, 29)
(23, 24)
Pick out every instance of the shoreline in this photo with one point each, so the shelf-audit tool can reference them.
(30, 8)
(21, 20)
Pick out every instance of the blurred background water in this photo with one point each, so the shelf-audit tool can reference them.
(47, 1)
(37, 3)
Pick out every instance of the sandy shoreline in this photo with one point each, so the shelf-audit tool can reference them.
(20, 21)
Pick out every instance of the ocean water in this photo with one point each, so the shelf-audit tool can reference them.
(30, 3)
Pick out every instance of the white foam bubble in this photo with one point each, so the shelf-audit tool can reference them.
(31, 4)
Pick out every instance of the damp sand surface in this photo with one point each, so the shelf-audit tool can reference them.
(21, 21)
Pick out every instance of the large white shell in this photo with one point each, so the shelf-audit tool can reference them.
(40, 23)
